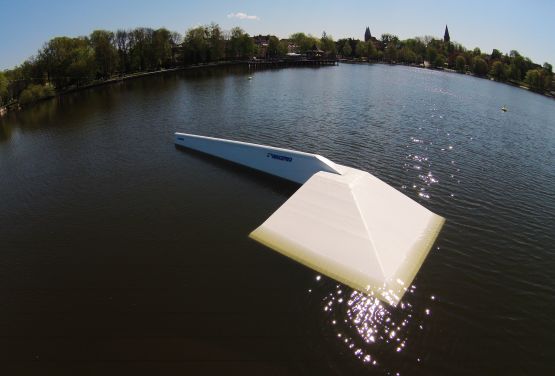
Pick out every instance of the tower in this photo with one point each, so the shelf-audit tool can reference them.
(446, 37)
(367, 35)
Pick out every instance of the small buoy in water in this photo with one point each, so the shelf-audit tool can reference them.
(504, 109)
(250, 77)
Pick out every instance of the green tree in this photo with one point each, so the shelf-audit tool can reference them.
(162, 48)
(140, 40)
(3, 88)
(431, 53)
(105, 53)
(83, 69)
(196, 45)
(273, 46)
(439, 61)
(54, 60)
(538, 79)
(234, 43)
(534, 79)
(460, 64)
(327, 44)
(34, 93)
(389, 39)
(216, 43)
(371, 50)
(346, 49)
(480, 66)
(240, 44)
(361, 50)
(496, 54)
(283, 48)
(548, 72)
(247, 46)
(390, 52)
(498, 71)
(305, 42)
(407, 55)
(513, 72)
(122, 45)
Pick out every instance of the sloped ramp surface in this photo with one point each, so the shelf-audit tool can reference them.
(356, 229)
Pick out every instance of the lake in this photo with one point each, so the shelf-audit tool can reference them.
(121, 254)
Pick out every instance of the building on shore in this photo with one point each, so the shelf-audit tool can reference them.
(262, 42)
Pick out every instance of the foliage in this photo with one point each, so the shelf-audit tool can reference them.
(539, 79)
(390, 52)
(196, 45)
(35, 93)
(240, 44)
(432, 54)
(216, 43)
(407, 55)
(346, 49)
(480, 66)
(3, 88)
(327, 44)
(372, 52)
(460, 64)
(439, 61)
(496, 54)
(360, 50)
(389, 40)
(273, 46)
(498, 71)
(162, 47)
(105, 53)
(305, 42)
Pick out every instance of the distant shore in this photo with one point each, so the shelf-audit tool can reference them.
(519, 84)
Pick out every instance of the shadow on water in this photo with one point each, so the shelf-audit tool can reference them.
(71, 109)
(275, 184)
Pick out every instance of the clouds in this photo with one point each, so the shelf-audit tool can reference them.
(243, 16)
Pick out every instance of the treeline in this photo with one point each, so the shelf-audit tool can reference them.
(65, 63)
(437, 53)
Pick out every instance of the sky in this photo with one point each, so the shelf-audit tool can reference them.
(526, 26)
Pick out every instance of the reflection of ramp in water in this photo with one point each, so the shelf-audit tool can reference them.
(342, 222)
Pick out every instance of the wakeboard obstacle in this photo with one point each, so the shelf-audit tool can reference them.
(342, 222)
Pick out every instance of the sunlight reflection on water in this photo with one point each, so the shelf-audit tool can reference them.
(372, 330)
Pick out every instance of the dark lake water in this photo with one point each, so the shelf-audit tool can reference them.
(120, 254)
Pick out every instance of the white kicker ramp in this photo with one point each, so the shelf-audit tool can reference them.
(342, 222)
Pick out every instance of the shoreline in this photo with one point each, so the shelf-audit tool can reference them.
(4, 110)
(517, 84)
(16, 106)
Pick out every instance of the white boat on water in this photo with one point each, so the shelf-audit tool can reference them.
(342, 222)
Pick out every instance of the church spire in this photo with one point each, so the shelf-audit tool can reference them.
(446, 37)
(367, 35)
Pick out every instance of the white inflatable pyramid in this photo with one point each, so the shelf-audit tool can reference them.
(342, 222)
(356, 229)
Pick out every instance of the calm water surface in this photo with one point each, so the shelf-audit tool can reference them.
(120, 254)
